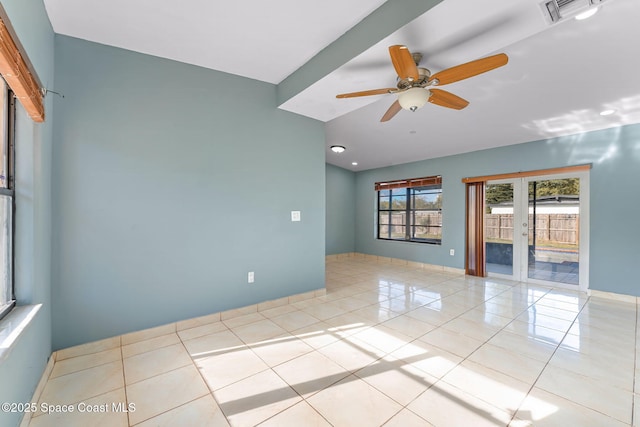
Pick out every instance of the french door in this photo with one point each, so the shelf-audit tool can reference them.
(536, 229)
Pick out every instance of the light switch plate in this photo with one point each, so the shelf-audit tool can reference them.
(295, 215)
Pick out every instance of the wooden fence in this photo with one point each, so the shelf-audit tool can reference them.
(563, 229)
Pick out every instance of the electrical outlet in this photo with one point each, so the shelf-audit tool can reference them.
(452, 252)
(251, 277)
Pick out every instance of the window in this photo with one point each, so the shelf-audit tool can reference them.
(410, 210)
(7, 300)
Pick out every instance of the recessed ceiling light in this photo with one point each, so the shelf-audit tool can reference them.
(354, 163)
(586, 14)
(607, 112)
(338, 149)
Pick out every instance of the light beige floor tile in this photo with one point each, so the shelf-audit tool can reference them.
(371, 408)
(271, 304)
(281, 349)
(409, 326)
(432, 360)
(294, 320)
(545, 322)
(277, 311)
(238, 312)
(300, 414)
(148, 333)
(569, 304)
(453, 342)
(545, 409)
(396, 379)
(323, 311)
(317, 335)
(351, 353)
(100, 411)
(164, 392)
(540, 310)
(471, 328)
(150, 344)
(85, 384)
(540, 333)
(227, 368)
(310, 373)
(375, 313)
(372, 297)
(203, 411)
(445, 405)
(612, 336)
(508, 362)
(536, 349)
(406, 418)
(78, 363)
(382, 338)
(347, 324)
(213, 344)
(258, 331)
(197, 321)
(89, 348)
(152, 363)
(605, 365)
(350, 303)
(399, 328)
(245, 319)
(398, 306)
(587, 391)
(482, 317)
(495, 388)
(255, 399)
(202, 330)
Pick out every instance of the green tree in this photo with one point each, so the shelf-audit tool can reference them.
(556, 187)
(498, 193)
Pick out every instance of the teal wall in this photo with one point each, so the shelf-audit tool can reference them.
(614, 232)
(340, 207)
(22, 369)
(172, 182)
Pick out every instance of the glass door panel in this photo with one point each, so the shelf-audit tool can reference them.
(498, 234)
(553, 230)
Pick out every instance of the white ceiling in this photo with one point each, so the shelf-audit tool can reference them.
(558, 79)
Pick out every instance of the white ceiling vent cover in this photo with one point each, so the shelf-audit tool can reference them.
(557, 10)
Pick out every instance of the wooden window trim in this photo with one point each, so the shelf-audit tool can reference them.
(17, 72)
(563, 170)
(409, 183)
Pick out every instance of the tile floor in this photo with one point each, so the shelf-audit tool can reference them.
(388, 345)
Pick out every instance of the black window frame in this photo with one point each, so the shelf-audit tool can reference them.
(9, 110)
(408, 211)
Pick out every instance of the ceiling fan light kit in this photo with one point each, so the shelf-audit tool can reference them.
(416, 85)
(413, 98)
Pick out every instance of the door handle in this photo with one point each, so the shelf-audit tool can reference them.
(525, 234)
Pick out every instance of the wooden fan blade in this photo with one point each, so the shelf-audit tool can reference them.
(403, 62)
(470, 69)
(447, 99)
(367, 92)
(392, 111)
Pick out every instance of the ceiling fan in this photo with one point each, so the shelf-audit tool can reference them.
(416, 85)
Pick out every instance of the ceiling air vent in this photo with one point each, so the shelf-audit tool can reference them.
(556, 10)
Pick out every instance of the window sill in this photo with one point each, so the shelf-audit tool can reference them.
(13, 325)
